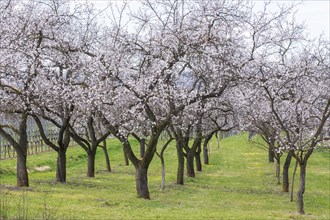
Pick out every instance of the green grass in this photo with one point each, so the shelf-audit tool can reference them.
(239, 183)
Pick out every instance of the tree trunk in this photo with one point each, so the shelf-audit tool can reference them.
(180, 172)
(270, 154)
(191, 154)
(205, 154)
(205, 148)
(142, 147)
(125, 158)
(22, 174)
(301, 191)
(218, 139)
(286, 167)
(91, 164)
(293, 177)
(106, 155)
(61, 166)
(278, 169)
(190, 165)
(198, 162)
(251, 134)
(198, 157)
(162, 186)
(141, 179)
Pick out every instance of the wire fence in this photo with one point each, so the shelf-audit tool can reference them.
(36, 144)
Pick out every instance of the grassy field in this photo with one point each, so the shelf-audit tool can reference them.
(239, 183)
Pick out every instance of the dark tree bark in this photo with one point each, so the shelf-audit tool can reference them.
(180, 154)
(268, 133)
(126, 160)
(162, 185)
(90, 144)
(22, 174)
(302, 158)
(286, 167)
(91, 163)
(106, 155)
(205, 148)
(217, 135)
(180, 170)
(293, 178)
(191, 154)
(20, 148)
(251, 134)
(198, 159)
(142, 166)
(302, 150)
(205, 154)
(301, 191)
(141, 178)
(92, 147)
(61, 166)
(270, 154)
(190, 165)
(63, 141)
(278, 169)
(142, 147)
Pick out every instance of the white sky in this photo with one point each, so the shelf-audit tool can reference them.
(314, 13)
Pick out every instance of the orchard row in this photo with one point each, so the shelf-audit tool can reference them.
(185, 68)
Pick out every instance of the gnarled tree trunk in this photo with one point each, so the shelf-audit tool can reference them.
(205, 148)
(190, 165)
(91, 163)
(126, 158)
(286, 167)
(61, 166)
(217, 135)
(106, 155)
(270, 154)
(141, 179)
(191, 154)
(162, 160)
(142, 147)
(21, 150)
(277, 167)
(162, 186)
(22, 174)
(205, 154)
(198, 162)
(301, 191)
(293, 177)
(180, 171)
(198, 157)
(63, 141)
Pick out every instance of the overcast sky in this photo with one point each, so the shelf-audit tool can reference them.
(315, 14)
